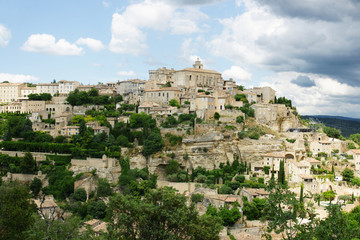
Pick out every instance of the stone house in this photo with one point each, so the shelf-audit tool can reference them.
(299, 171)
(252, 193)
(10, 92)
(51, 88)
(356, 155)
(197, 77)
(68, 131)
(65, 87)
(162, 96)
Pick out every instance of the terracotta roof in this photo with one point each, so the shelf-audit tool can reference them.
(97, 225)
(231, 199)
(300, 164)
(313, 160)
(356, 151)
(306, 176)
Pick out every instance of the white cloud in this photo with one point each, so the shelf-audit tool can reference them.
(300, 36)
(96, 65)
(17, 78)
(93, 44)
(126, 73)
(105, 3)
(238, 74)
(323, 98)
(5, 36)
(128, 28)
(46, 43)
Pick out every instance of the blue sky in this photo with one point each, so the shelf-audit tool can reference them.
(307, 51)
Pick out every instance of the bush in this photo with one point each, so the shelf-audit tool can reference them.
(104, 189)
(239, 119)
(290, 140)
(240, 178)
(242, 135)
(254, 135)
(172, 168)
(201, 178)
(225, 190)
(233, 185)
(79, 195)
(216, 116)
(172, 177)
(196, 197)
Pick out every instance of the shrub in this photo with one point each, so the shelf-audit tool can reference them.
(254, 135)
(233, 185)
(290, 140)
(172, 168)
(242, 135)
(240, 178)
(239, 119)
(225, 190)
(79, 195)
(196, 197)
(201, 178)
(216, 116)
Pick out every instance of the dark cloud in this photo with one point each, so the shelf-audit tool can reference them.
(303, 81)
(327, 10)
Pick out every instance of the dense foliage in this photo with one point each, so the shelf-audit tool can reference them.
(161, 214)
(41, 96)
(78, 98)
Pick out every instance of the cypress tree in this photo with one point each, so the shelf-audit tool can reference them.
(302, 194)
(281, 173)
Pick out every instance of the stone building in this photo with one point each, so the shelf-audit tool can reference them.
(260, 94)
(356, 155)
(25, 91)
(197, 77)
(10, 92)
(65, 87)
(163, 95)
(51, 88)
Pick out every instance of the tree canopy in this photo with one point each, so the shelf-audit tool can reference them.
(161, 214)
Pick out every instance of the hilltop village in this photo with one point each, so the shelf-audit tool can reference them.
(215, 142)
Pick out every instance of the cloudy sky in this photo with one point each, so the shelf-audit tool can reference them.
(308, 51)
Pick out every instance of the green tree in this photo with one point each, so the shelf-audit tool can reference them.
(284, 212)
(172, 168)
(16, 211)
(28, 164)
(197, 197)
(281, 173)
(97, 209)
(153, 143)
(80, 195)
(228, 215)
(35, 186)
(161, 214)
(216, 116)
(347, 174)
(332, 132)
(174, 103)
(329, 195)
(104, 189)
